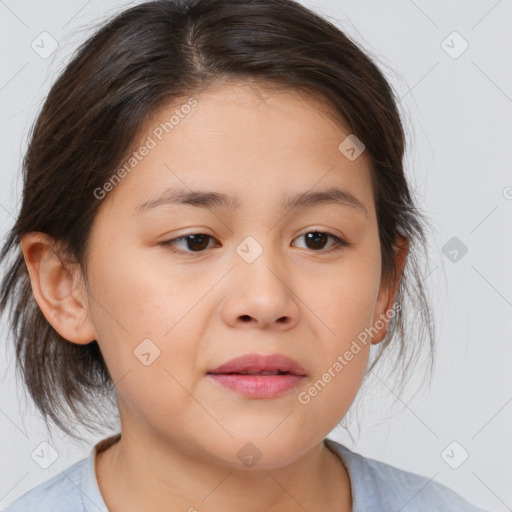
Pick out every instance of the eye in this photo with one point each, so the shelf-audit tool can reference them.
(316, 241)
(195, 242)
(198, 242)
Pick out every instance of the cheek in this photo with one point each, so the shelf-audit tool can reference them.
(141, 318)
(344, 299)
(329, 393)
(140, 294)
(345, 306)
(149, 340)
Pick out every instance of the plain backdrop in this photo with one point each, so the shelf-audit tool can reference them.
(450, 64)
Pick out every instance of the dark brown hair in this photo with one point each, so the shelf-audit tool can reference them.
(148, 56)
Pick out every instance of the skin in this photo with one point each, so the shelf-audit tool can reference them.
(180, 431)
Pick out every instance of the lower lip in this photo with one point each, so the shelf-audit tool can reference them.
(258, 386)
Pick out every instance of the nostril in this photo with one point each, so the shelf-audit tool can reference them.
(245, 318)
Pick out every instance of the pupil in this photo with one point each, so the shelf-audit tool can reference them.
(194, 239)
(315, 238)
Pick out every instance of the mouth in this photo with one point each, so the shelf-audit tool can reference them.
(278, 372)
(259, 376)
(259, 364)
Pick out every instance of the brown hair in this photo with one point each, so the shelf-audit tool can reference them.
(148, 56)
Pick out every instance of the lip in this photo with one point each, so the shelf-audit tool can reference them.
(258, 385)
(253, 363)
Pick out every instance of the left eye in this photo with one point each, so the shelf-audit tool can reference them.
(316, 238)
(198, 242)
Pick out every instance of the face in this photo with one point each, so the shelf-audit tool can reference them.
(167, 307)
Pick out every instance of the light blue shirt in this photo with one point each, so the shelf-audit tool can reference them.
(376, 487)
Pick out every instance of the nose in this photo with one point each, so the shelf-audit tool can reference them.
(261, 295)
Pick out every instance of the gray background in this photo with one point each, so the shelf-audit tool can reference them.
(457, 109)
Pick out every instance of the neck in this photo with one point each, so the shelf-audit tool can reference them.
(159, 477)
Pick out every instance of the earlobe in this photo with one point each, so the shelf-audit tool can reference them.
(387, 293)
(57, 289)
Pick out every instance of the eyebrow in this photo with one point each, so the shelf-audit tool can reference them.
(207, 199)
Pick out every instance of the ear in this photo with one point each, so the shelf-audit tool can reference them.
(388, 291)
(57, 290)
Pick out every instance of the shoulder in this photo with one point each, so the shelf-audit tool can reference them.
(60, 493)
(73, 490)
(380, 486)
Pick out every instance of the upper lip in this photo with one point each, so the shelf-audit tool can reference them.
(255, 363)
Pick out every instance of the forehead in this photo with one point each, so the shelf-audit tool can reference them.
(247, 140)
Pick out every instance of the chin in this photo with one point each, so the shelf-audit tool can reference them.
(257, 453)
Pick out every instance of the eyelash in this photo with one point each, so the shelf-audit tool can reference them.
(338, 243)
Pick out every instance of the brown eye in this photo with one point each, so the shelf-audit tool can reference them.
(198, 242)
(195, 242)
(317, 240)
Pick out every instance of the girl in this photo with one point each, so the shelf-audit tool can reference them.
(216, 228)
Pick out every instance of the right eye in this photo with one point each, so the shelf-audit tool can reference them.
(194, 242)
